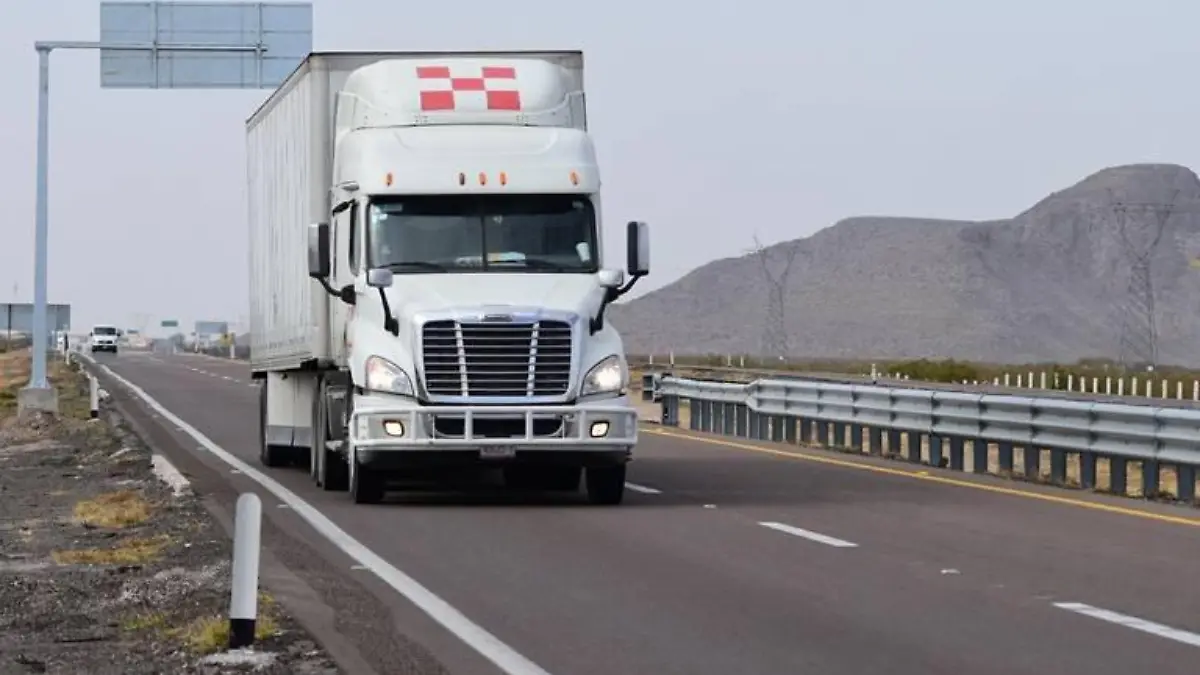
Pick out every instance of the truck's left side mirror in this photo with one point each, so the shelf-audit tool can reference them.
(318, 250)
(637, 247)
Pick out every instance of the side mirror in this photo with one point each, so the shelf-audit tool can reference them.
(611, 278)
(379, 278)
(318, 250)
(637, 248)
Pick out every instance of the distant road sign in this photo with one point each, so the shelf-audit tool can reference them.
(202, 45)
(211, 328)
(170, 323)
(18, 318)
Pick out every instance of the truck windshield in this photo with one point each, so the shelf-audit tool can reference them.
(485, 233)
(105, 330)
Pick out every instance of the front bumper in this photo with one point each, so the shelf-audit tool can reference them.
(389, 424)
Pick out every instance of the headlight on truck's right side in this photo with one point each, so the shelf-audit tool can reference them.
(384, 376)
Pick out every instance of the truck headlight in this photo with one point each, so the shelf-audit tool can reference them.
(385, 376)
(606, 377)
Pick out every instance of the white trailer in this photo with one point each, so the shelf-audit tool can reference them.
(427, 287)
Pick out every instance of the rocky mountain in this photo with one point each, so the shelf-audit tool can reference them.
(1051, 284)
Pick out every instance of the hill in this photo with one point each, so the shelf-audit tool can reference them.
(1050, 284)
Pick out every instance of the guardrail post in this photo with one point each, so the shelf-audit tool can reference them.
(957, 455)
(806, 430)
(894, 441)
(728, 419)
(762, 429)
(839, 435)
(752, 422)
(1186, 476)
(778, 422)
(822, 432)
(935, 450)
(1118, 472)
(856, 437)
(93, 396)
(648, 386)
(979, 455)
(791, 430)
(670, 410)
(741, 420)
(875, 440)
(706, 416)
(1058, 466)
(1005, 456)
(1087, 470)
(243, 602)
(914, 446)
(1032, 457)
(1151, 478)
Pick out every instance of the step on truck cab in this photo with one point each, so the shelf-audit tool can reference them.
(428, 283)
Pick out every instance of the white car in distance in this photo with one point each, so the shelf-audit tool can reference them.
(104, 339)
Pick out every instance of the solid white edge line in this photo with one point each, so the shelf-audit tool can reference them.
(809, 535)
(489, 646)
(1156, 629)
(642, 489)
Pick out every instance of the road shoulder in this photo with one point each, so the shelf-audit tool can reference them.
(315, 582)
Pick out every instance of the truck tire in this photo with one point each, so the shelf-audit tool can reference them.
(606, 484)
(271, 456)
(366, 486)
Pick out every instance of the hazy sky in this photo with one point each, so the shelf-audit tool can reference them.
(711, 123)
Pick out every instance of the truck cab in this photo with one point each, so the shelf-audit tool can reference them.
(461, 262)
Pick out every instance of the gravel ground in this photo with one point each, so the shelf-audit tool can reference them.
(103, 569)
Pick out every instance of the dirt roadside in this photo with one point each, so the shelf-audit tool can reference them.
(104, 568)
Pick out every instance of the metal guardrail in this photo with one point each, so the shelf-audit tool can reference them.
(747, 375)
(840, 415)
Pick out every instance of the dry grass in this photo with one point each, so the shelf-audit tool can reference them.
(71, 384)
(113, 510)
(207, 634)
(14, 373)
(130, 552)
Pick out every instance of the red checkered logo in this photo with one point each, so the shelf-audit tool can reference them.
(496, 88)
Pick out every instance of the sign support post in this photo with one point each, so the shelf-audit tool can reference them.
(280, 38)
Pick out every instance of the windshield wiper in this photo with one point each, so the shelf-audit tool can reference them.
(416, 264)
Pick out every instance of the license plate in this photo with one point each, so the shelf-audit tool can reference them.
(497, 451)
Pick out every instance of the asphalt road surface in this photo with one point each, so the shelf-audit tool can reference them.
(728, 557)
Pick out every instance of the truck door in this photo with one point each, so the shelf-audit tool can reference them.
(347, 265)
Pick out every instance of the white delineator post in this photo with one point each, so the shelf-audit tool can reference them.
(247, 542)
(94, 396)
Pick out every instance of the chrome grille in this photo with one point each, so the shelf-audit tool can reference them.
(497, 358)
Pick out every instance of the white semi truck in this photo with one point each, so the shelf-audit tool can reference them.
(427, 284)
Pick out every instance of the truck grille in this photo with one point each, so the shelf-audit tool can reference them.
(497, 359)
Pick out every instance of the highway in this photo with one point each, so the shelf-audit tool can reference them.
(727, 557)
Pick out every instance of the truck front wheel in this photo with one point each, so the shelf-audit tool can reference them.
(606, 484)
(366, 486)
